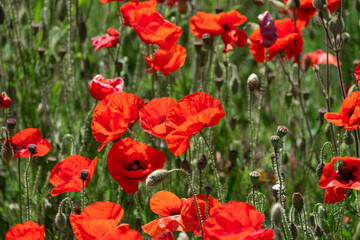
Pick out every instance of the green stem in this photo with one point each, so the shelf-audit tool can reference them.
(83, 196)
(27, 186)
(67, 199)
(278, 173)
(213, 165)
(20, 190)
(302, 227)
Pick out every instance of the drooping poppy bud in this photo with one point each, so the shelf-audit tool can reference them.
(157, 177)
(60, 221)
(277, 214)
(267, 29)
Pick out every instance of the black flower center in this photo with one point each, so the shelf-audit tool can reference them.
(347, 174)
(175, 212)
(350, 113)
(134, 166)
(225, 27)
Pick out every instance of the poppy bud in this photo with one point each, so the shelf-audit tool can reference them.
(7, 151)
(10, 124)
(291, 5)
(156, 177)
(275, 189)
(84, 173)
(325, 13)
(253, 82)
(118, 67)
(169, 235)
(254, 178)
(272, 156)
(318, 4)
(348, 138)
(208, 190)
(2, 15)
(182, 6)
(267, 29)
(35, 26)
(318, 231)
(282, 131)
(219, 9)
(319, 169)
(201, 163)
(32, 149)
(298, 202)
(219, 82)
(293, 230)
(60, 221)
(208, 41)
(277, 214)
(336, 25)
(41, 51)
(185, 165)
(138, 224)
(279, 5)
(258, 2)
(307, 63)
(275, 141)
(322, 112)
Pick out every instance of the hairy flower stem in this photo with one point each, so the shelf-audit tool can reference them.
(341, 81)
(278, 172)
(252, 158)
(213, 165)
(27, 187)
(86, 123)
(67, 199)
(264, 82)
(20, 191)
(83, 196)
(302, 226)
(341, 219)
(206, 206)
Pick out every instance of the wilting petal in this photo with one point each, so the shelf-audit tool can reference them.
(267, 29)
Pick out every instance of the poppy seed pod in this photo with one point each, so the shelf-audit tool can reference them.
(219, 9)
(208, 190)
(10, 124)
(202, 161)
(336, 25)
(319, 169)
(84, 174)
(322, 112)
(258, 2)
(293, 230)
(60, 221)
(277, 214)
(298, 201)
(41, 52)
(254, 178)
(282, 131)
(272, 156)
(32, 149)
(208, 41)
(219, 82)
(157, 177)
(253, 82)
(198, 45)
(275, 141)
(318, 4)
(348, 138)
(182, 6)
(7, 151)
(61, 53)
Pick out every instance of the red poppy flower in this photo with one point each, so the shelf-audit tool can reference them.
(334, 195)
(307, 10)
(107, 1)
(349, 113)
(347, 176)
(236, 220)
(114, 115)
(153, 116)
(96, 220)
(122, 232)
(188, 117)
(130, 161)
(22, 139)
(223, 24)
(167, 61)
(5, 101)
(65, 176)
(357, 72)
(101, 87)
(132, 12)
(108, 40)
(288, 40)
(25, 231)
(318, 57)
(167, 235)
(173, 214)
(201, 199)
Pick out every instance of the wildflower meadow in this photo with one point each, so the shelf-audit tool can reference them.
(180, 119)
